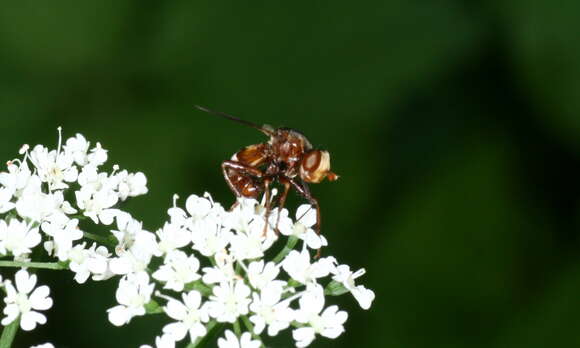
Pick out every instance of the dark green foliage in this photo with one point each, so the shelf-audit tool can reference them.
(455, 127)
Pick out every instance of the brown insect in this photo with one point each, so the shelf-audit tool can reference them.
(287, 157)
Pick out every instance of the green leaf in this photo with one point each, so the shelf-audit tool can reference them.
(335, 288)
(153, 307)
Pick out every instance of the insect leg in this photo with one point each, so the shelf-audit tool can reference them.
(242, 170)
(305, 192)
(268, 206)
(246, 169)
(229, 181)
(282, 201)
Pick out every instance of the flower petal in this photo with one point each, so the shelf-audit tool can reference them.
(25, 282)
(39, 298)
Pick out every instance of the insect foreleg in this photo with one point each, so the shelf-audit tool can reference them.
(305, 192)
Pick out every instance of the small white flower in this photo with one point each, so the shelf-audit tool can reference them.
(134, 260)
(17, 237)
(78, 257)
(63, 236)
(190, 317)
(178, 216)
(17, 176)
(250, 242)
(231, 341)
(97, 156)
(302, 228)
(136, 246)
(54, 167)
(172, 237)
(45, 345)
(164, 341)
(229, 301)
(87, 262)
(298, 266)
(246, 209)
(270, 311)
(253, 236)
(198, 207)
(135, 250)
(223, 270)
(128, 231)
(12, 182)
(78, 147)
(37, 205)
(284, 223)
(178, 269)
(131, 185)
(133, 293)
(92, 180)
(5, 200)
(261, 275)
(97, 205)
(20, 303)
(343, 275)
(98, 263)
(329, 323)
(208, 237)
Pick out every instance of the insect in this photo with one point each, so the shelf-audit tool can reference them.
(287, 158)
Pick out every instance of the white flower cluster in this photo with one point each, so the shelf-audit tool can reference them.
(212, 268)
(214, 265)
(43, 196)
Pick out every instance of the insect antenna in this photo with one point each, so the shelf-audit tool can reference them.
(264, 129)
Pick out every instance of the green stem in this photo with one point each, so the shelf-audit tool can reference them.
(290, 244)
(335, 288)
(41, 265)
(237, 329)
(153, 307)
(199, 286)
(250, 327)
(8, 334)
(100, 239)
(79, 217)
(211, 326)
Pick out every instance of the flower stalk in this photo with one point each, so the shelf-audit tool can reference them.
(212, 328)
(8, 334)
(101, 239)
(58, 266)
(290, 244)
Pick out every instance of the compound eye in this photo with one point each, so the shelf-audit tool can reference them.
(315, 166)
(311, 161)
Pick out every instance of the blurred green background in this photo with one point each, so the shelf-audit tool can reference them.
(454, 124)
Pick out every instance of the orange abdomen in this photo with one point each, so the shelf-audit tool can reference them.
(248, 187)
